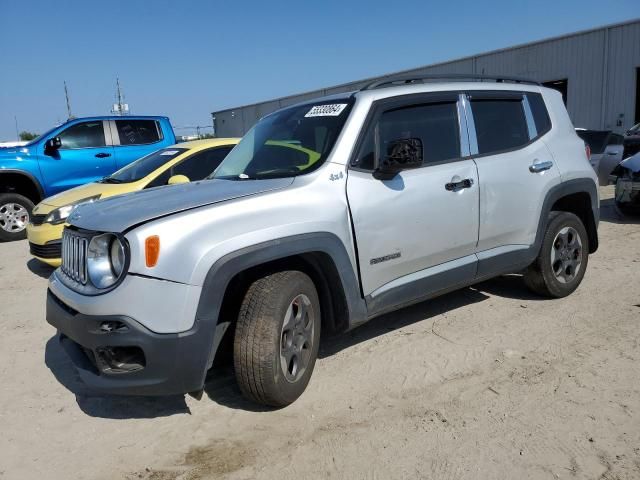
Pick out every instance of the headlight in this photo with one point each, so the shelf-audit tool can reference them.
(59, 215)
(105, 260)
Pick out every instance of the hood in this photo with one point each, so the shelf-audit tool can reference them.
(632, 163)
(84, 191)
(13, 152)
(117, 214)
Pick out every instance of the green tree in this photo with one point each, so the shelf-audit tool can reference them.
(27, 136)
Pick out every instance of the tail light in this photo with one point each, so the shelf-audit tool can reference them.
(587, 150)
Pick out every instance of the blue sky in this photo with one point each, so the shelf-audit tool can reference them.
(185, 58)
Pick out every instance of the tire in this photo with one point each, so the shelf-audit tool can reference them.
(563, 257)
(15, 212)
(623, 210)
(278, 311)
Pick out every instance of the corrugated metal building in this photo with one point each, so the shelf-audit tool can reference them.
(597, 70)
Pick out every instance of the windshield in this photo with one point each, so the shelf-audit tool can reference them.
(144, 166)
(288, 143)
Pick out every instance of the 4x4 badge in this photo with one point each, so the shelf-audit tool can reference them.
(336, 176)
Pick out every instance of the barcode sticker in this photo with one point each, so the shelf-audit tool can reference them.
(332, 110)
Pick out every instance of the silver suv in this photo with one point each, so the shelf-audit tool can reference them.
(325, 215)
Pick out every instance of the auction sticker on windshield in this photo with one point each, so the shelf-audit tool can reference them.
(169, 152)
(332, 110)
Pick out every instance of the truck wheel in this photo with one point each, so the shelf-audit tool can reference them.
(277, 338)
(15, 211)
(563, 257)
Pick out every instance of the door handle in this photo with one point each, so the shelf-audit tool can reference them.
(612, 153)
(455, 186)
(540, 167)
(103, 155)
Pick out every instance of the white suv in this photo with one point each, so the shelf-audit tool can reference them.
(325, 215)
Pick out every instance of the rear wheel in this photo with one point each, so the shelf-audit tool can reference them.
(563, 257)
(277, 338)
(15, 212)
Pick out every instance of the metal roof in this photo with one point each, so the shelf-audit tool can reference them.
(413, 69)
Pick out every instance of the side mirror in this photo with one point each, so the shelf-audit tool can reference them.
(402, 154)
(52, 144)
(176, 179)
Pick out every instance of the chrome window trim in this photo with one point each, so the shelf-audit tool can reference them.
(465, 145)
(528, 115)
(115, 138)
(471, 125)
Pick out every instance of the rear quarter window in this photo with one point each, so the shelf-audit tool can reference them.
(539, 112)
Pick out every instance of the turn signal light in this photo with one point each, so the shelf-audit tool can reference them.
(152, 250)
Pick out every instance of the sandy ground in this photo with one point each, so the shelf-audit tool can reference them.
(487, 382)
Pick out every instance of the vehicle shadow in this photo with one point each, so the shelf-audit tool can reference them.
(609, 213)
(99, 405)
(420, 312)
(41, 269)
(221, 386)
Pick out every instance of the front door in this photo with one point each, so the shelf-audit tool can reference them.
(415, 233)
(83, 157)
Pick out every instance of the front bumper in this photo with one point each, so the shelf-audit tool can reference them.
(627, 193)
(172, 363)
(44, 242)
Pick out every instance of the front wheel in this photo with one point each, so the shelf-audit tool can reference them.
(277, 338)
(15, 211)
(563, 257)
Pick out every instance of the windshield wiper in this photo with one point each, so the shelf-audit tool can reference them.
(111, 180)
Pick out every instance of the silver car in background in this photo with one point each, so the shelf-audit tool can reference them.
(606, 151)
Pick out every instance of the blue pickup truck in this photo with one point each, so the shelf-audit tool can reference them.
(79, 151)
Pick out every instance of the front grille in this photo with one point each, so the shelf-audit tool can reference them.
(48, 250)
(37, 219)
(74, 256)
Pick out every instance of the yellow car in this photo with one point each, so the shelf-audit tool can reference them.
(179, 163)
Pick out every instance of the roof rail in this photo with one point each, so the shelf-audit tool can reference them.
(408, 79)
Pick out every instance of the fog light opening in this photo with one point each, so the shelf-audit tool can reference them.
(113, 326)
(120, 359)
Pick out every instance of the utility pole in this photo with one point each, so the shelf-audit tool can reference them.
(17, 132)
(66, 95)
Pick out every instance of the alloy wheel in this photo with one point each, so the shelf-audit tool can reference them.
(296, 339)
(13, 217)
(566, 254)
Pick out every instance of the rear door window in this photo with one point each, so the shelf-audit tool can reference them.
(500, 124)
(138, 132)
(83, 135)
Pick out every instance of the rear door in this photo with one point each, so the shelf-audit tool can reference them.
(415, 233)
(85, 156)
(516, 170)
(134, 138)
